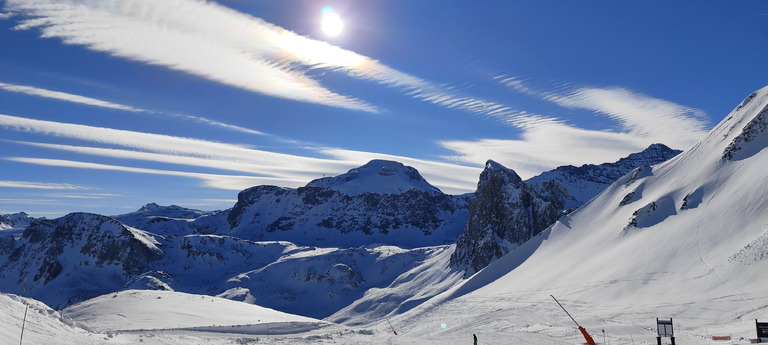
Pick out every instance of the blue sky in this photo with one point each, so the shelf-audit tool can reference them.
(106, 105)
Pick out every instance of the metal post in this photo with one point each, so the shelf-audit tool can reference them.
(390, 326)
(24, 321)
(569, 314)
(583, 331)
(21, 338)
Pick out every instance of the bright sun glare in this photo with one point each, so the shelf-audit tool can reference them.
(331, 22)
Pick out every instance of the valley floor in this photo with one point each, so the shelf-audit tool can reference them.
(530, 318)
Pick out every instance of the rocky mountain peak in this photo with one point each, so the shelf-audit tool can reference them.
(503, 213)
(377, 176)
(651, 155)
(172, 211)
(68, 248)
(496, 175)
(15, 221)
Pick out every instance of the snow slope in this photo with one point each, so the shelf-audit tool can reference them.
(42, 325)
(154, 310)
(685, 239)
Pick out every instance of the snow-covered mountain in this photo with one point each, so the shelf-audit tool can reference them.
(686, 239)
(505, 211)
(15, 221)
(77, 256)
(586, 181)
(380, 202)
(174, 220)
(81, 256)
(377, 176)
(307, 250)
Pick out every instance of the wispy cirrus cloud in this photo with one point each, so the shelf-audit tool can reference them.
(218, 181)
(233, 48)
(166, 148)
(68, 97)
(220, 124)
(640, 120)
(257, 166)
(545, 147)
(638, 114)
(196, 37)
(40, 185)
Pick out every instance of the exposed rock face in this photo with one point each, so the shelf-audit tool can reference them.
(323, 213)
(751, 139)
(68, 247)
(504, 213)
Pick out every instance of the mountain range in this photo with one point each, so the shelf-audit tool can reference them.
(674, 235)
(310, 251)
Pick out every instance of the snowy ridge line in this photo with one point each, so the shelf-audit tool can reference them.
(283, 328)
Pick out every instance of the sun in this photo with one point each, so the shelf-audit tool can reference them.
(331, 23)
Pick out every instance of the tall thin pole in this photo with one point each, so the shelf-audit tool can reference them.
(583, 331)
(21, 338)
(561, 306)
(390, 326)
(24, 321)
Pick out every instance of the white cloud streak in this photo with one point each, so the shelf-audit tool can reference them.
(221, 124)
(640, 115)
(543, 148)
(196, 37)
(159, 147)
(226, 182)
(86, 196)
(68, 97)
(233, 48)
(41, 185)
(261, 167)
(547, 143)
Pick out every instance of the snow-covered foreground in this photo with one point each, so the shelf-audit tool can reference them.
(505, 318)
(149, 310)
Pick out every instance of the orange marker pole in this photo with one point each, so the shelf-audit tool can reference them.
(583, 331)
